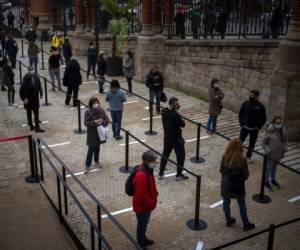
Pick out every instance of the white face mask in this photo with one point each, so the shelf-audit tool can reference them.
(95, 105)
(216, 86)
(152, 165)
(278, 126)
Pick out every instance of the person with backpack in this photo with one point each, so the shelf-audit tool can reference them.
(33, 51)
(234, 170)
(141, 186)
(8, 80)
(94, 117)
(11, 50)
(72, 80)
(101, 71)
(92, 60)
(155, 83)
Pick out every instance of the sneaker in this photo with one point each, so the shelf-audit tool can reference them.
(86, 170)
(230, 222)
(98, 165)
(250, 160)
(181, 177)
(209, 132)
(119, 137)
(39, 130)
(158, 112)
(276, 184)
(53, 90)
(249, 226)
(161, 176)
(129, 94)
(148, 242)
(32, 127)
(268, 186)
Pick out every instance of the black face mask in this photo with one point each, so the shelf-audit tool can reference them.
(177, 107)
(252, 99)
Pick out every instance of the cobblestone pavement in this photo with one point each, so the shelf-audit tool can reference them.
(176, 199)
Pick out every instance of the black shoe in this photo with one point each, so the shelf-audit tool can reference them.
(276, 184)
(39, 130)
(119, 138)
(249, 226)
(32, 127)
(230, 222)
(67, 104)
(148, 242)
(268, 186)
(181, 177)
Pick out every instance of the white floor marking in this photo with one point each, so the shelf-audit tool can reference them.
(82, 107)
(146, 107)
(173, 174)
(294, 199)
(21, 106)
(132, 142)
(58, 144)
(94, 81)
(216, 204)
(81, 173)
(154, 117)
(195, 139)
(118, 212)
(25, 125)
(131, 102)
(200, 245)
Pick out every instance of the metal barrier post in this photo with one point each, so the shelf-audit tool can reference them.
(41, 160)
(65, 191)
(79, 130)
(261, 197)
(42, 50)
(46, 93)
(196, 223)
(31, 178)
(20, 72)
(198, 158)
(99, 226)
(150, 131)
(35, 161)
(271, 237)
(126, 169)
(22, 47)
(92, 238)
(59, 200)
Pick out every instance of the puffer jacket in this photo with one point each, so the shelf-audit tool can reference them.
(273, 143)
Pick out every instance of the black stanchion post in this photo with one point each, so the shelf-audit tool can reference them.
(79, 130)
(126, 168)
(198, 158)
(41, 160)
(42, 50)
(261, 197)
(92, 237)
(99, 226)
(59, 199)
(20, 72)
(196, 223)
(65, 191)
(31, 178)
(35, 160)
(150, 131)
(271, 237)
(46, 93)
(22, 46)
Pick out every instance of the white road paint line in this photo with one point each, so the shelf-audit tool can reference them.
(73, 108)
(25, 125)
(118, 212)
(173, 174)
(195, 139)
(216, 204)
(200, 245)
(81, 173)
(131, 102)
(132, 142)
(58, 144)
(154, 117)
(294, 199)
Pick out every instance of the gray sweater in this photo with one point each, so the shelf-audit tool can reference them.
(115, 100)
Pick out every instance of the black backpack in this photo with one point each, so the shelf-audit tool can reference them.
(129, 188)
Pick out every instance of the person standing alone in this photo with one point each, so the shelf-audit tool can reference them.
(129, 70)
(54, 68)
(8, 80)
(92, 60)
(33, 51)
(101, 71)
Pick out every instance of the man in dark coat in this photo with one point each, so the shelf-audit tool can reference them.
(10, 19)
(71, 16)
(30, 93)
(92, 59)
(11, 50)
(252, 117)
(2, 40)
(67, 50)
(101, 71)
(31, 35)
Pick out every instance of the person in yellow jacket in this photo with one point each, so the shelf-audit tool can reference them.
(57, 42)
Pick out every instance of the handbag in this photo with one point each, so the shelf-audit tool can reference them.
(163, 97)
(103, 133)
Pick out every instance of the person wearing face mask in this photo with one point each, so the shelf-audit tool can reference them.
(92, 60)
(215, 105)
(172, 125)
(116, 98)
(252, 117)
(145, 196)
(94, 117)
(274, 143)
(30, 93)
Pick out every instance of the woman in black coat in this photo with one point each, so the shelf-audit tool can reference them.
(234, 170)
(72, 80)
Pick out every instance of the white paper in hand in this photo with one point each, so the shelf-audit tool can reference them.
(200, 245)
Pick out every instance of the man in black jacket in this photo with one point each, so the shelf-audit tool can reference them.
(30, 93)
(31, 35)
(92, 60)
(155, 83)
(252, 118)
(101, 71)
(173, 124)
(11, 50)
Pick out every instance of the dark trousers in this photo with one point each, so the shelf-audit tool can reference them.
(178, 146)
(116, 116)
(70, 91)
(35, 111)
(253, 138)
(91, 66)
(92, 150)
(212, 123)
(33, 61)
(243, 209)
(13, 60)
(67, 59)
(142, 223)
(129, 82)
(11, 94)
(101, 83)
(157, 95)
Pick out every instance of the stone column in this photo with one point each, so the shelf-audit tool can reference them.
(25, 4)
(41, 12)
(156, 10)
(168, 17)
(285, 82)
(80, 16)
(147, 18)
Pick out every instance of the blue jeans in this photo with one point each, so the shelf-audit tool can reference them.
(33, 61)
(156, 94)
(116, 116)
(271, 170)
(92, 150)
(243, 209)
(142, 222)
(212, 123)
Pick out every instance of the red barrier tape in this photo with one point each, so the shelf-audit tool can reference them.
(14, 138)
